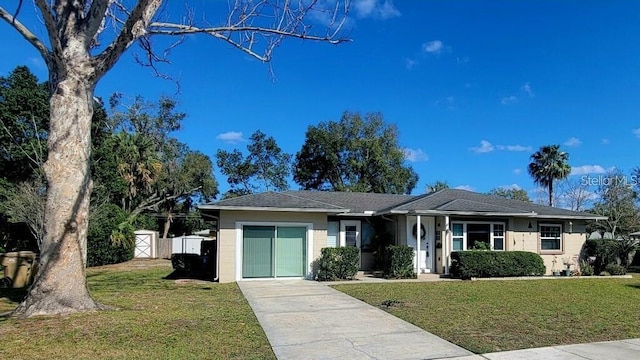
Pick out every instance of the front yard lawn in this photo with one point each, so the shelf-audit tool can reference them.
(157, 319)
(488, 316)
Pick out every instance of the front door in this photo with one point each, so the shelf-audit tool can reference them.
(350, 233)
(426, 236)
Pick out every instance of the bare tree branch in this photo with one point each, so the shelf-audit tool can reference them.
(134, 28)
(37, 160)
(223, 33)
(26, 33)
(95, 17)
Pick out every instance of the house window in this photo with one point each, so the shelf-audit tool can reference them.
(497, 236)
(550, 237)
(458, 236)
(478, 235)
(351, 235)
(333, 232)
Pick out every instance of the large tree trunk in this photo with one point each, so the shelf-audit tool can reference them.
(60, 286)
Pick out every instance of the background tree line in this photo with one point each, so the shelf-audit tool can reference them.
(144, 177)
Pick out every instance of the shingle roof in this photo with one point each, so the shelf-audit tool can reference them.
(274, 201)
(467, 201)
(357, 202)
(446, 201)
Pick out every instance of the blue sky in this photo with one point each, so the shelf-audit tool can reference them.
(475, 87)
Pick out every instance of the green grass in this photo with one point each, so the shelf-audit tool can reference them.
(157, 319)
(488, 316)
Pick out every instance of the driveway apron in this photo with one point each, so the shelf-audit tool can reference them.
(308, 320)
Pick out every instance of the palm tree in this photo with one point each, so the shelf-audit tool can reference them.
(549, 164)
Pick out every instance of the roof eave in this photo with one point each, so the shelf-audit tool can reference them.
(268, 208)
(572, 217)
(470, 213)
(361, 214)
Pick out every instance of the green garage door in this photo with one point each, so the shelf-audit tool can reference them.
(274, 251)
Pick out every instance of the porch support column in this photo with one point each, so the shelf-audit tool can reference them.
(418, 236)
(446, 244)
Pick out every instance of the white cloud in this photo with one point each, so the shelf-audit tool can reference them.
(573, 142)
(589, 169)
(517, 171)
(509, 100)
(410, 63)
(415, 155)
(605, 141)
(462, 60)
(484, 147)
(514, 147)
(433, 47)
(376, 9)
(231, 137)
(511, 187)
(526, 88)
(636, 132)
(465, 187)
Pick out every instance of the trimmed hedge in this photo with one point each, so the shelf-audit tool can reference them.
(483, 264)
(399, 262)
(340, 263)
(615, 269)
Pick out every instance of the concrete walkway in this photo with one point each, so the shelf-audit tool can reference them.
(610, 350)
(309, 320)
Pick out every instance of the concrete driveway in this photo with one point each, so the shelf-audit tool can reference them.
(308, 320)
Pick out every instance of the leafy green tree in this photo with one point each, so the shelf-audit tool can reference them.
(24, 122)
(354, 154)
(80, 42)
(100, 248)
(618, 202)
(510, 193)
(156, 172)
(548, 165)
(436, 186)
(265, 168)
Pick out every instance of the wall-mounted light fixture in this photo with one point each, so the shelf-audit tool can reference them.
(530, 226)
(570, 227)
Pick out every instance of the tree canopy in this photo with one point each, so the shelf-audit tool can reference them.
(618, 202)
(548, 165)
(510, 193)
(354, 154)
(436, 186)
(265, 168)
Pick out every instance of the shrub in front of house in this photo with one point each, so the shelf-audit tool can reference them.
(399, 262)
(340, 263)
(484, 264)
(604, 251)
(615, 269)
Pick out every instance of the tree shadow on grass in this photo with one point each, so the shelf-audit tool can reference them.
(635, 286)
(187, 275)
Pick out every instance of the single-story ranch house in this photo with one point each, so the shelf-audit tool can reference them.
(280, 234)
